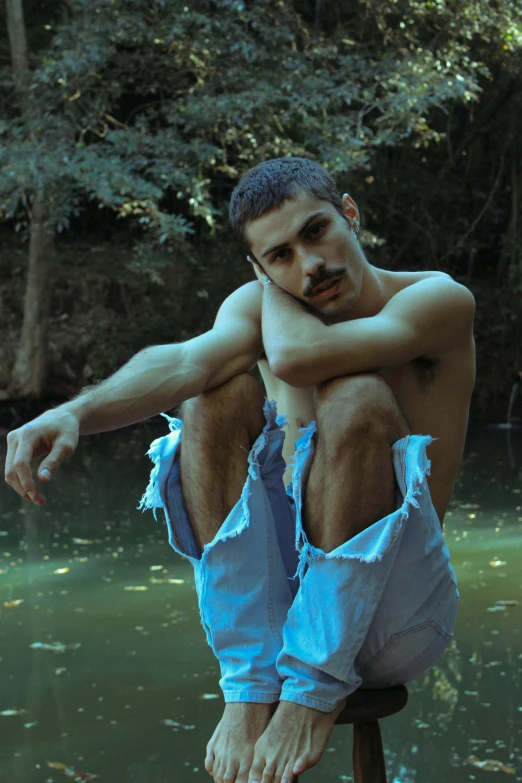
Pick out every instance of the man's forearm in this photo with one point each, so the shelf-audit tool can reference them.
(287, 326)
(154, 380)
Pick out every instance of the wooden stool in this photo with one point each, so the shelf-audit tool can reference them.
(364, 709)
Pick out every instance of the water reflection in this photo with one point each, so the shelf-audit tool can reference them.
(106, 671)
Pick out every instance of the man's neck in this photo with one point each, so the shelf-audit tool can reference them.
(374, 293)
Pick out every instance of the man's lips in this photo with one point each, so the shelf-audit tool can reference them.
(325, 285)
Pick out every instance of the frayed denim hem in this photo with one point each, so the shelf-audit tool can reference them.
(373, 543)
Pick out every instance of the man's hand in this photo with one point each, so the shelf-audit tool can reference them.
(55, 434)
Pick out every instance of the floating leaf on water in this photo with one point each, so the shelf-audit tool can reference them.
(176, 581)
(61, 571)
(16, 602)
(507, 603)
(176, 725)
(490, 765)
(136, 587)
(471, 693)
(496, 609)
(156, 568)
(30, 725)
(60, 671)
(9, 713)
(82, 541)
(56, 765)
(496, 562)
(205, 696)
(79, 777)
(55, 646)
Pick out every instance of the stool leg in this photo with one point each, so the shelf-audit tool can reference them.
(368, 755)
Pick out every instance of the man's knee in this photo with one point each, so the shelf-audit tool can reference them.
(363, 403)
(240, 398)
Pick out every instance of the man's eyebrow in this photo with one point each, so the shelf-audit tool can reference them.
(300, 233)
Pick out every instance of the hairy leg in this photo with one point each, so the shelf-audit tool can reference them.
(352, 482)
(351, 485)
(220, 427)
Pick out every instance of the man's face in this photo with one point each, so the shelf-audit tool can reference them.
(305, 245)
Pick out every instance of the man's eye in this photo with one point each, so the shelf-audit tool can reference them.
(316, 230)
(280, 255)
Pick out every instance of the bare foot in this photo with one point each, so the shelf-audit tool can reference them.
(231, 747)
(293, 742)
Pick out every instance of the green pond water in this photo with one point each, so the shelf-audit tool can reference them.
(127, 688)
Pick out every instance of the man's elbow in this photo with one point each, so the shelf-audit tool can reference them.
(294, 373)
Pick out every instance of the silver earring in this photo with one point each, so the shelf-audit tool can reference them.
(268, 281)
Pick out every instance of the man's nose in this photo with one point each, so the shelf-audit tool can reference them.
(310, 262)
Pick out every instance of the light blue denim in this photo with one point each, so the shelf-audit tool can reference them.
(289, 621)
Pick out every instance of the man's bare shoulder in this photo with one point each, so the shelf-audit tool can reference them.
(426, 288)
(243, 303)
(398, 281)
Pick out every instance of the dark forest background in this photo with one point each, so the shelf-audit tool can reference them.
(124, 127)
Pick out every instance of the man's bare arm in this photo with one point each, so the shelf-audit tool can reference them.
(161, 377)
(158, 378)
(428, 318)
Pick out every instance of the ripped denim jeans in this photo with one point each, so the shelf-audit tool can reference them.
(289, 621)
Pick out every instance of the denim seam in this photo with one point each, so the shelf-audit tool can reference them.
(305, 699)
(251, 693)
(301, 542)
(396, 636)
(433, 642)
(270, 561)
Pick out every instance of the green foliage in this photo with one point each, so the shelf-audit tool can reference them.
(150, 111)
(134, 101)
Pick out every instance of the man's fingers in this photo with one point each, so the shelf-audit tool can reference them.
(21, 475)
(18, 466)
(61, 450)
(11, 475)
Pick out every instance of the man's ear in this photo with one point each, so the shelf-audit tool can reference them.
(351, 210)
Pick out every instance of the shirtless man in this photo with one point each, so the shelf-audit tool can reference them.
(358, 368)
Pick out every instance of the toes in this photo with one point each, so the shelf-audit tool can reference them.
(256, 771)
(288, 774)
(305, 762)
(219, 771)
(242, 775)
(230, 775)
(268, 773)
(209, 761)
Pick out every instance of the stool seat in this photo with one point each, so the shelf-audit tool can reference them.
(373, 704)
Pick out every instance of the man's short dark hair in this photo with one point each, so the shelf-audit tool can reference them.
(269, 184)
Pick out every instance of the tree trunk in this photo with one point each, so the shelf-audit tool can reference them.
(28, 374)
